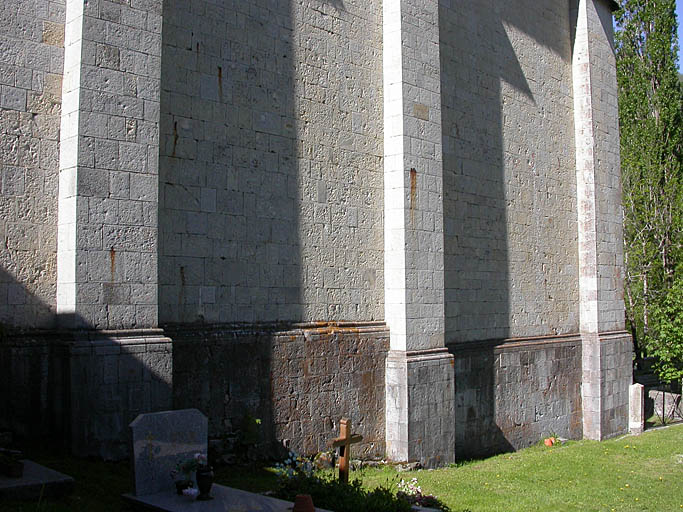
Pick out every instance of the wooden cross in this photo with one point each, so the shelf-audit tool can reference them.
(344, 442)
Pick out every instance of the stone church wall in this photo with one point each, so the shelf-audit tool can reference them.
(509, 394)
(31, 63)
(510, 222)
(271, 162)
(270, 251)
(297, 380)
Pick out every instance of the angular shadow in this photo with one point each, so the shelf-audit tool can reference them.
(229, 251)
(228, 208)
(78, 390)
(500, 181)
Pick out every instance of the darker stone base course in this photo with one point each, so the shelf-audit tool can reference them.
(81, 389)
(617, 375)
(511, 393)
(269, 387)
(431, 405)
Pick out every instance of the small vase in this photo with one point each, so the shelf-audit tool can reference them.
(204, 483)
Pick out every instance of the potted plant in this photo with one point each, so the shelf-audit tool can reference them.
(203, 476)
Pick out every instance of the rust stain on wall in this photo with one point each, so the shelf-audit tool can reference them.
(181, 292)
(413, 193)
(112, 261)
(175, 136)
(220, 83)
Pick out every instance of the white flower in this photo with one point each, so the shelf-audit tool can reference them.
(191, 491)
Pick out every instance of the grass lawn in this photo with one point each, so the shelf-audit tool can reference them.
(634, 473)
(643, 473)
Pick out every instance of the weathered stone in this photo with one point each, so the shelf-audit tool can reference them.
(405, 161)
(159, 442)
(294, 381)
(636, 409)
(509, 395)
(53, 33)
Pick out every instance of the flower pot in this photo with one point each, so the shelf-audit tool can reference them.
(204, 482)
(303, 503)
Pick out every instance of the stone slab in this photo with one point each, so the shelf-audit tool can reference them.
(161, 440)
(37, 480)
(226, 499)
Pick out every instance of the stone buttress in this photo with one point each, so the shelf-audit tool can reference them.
(419, 369)
(606, 346)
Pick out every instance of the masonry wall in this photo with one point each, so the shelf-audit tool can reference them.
(270, 168)
(510, 394)
(80, 390)
(31, 63)
(509, 172)
(297, 380)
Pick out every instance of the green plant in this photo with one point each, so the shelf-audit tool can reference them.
(187, 466)
(328, 492)
(665, 340)
(297, 476)
(651, 131)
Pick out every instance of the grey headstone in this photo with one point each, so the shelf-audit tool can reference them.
(160, 440)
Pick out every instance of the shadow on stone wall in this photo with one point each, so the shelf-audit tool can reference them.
(297, 380)
(476, 158)
(229, 181)
(228, 169)
(80, 389)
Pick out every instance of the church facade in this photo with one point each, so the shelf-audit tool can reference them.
(405, 212)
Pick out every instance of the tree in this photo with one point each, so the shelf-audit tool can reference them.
(651, 124)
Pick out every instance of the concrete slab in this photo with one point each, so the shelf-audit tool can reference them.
(37, 481)
(226, 499)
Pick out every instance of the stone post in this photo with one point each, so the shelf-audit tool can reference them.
(636, 409)
(419, 370)
(108, 169)
(606, 347)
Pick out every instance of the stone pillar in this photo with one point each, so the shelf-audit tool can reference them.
(606, 347)
(419, 370)
(636, 409)
(108, 169)
(120, 365)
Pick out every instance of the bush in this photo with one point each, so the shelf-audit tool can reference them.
(328, 492)
(665, 341)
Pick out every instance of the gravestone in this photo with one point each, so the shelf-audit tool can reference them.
(159, 441)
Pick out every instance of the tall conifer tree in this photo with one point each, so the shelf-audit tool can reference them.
(651, 124)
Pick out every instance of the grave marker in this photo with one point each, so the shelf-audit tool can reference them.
(344, 442)
(160, 440)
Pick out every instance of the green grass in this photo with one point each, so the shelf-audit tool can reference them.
(643, 473)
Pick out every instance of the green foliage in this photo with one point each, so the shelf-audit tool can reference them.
(328, 492)
(651, 125)
(665, 340)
